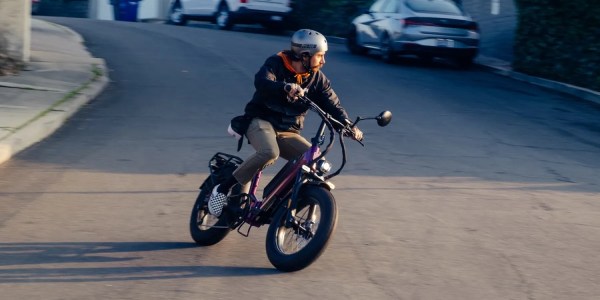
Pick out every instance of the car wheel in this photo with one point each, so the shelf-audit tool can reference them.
(176, 16)
(465, 62)
(223, 17)
(426, 58)
(387, 53)
(352, 43)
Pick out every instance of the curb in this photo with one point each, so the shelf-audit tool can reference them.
(46, 124)
(565, 88)
(48, 121)
(75, 34)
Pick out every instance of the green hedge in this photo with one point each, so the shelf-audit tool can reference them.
(330, 17)
(559, 40)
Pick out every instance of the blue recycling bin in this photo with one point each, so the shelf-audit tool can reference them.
(125, 10)
(128, 10)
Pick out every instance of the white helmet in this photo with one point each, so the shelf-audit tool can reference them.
(308, 41)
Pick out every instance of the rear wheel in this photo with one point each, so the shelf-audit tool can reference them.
(387, 52)
(205, 228)
(294, 247)
(465, 62)
(176, 16)
(223, 17)
(426, 58)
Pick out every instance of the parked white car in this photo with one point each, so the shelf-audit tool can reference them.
(226, 13)
(426, 28)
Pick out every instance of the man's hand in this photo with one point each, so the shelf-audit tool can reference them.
(357, 134)
(294, 91)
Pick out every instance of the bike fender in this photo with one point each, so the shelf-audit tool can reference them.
(326, 184)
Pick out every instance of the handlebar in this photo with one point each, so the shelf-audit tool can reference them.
(344, 129)
(328, 121)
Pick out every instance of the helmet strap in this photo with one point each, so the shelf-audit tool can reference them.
(306, 64)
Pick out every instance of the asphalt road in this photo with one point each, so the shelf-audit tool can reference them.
(482, 187)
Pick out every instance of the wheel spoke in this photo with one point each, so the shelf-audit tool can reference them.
(291, 240)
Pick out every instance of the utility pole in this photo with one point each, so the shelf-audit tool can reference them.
(15, 29)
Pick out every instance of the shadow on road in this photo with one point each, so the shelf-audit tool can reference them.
(60, 253)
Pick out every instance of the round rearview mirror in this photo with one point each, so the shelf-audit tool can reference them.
(384, 118)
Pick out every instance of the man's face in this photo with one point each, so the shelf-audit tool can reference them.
(317, 61)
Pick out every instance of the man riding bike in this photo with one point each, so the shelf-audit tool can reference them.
(275, 117)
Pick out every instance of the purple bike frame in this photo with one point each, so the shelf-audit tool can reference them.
(281, 189)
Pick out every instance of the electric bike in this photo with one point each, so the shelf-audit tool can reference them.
(296, 204)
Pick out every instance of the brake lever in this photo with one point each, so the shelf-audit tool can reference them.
(350, 133)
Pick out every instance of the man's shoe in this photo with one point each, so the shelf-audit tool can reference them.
(216, 202)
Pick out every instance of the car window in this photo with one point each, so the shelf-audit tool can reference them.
(434, 6)
(389, 7)
(376, 7)
(399, 6)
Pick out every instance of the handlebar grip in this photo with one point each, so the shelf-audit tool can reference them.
(348, 131)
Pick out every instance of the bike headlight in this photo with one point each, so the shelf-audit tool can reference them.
(323, 166)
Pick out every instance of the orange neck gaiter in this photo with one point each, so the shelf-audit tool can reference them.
(300, 77)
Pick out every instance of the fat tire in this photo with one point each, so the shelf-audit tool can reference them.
(315, 247)
(209, 236)
(387, 52)
(352, 43)
(223, 12)
(465, 63)
(182, 19)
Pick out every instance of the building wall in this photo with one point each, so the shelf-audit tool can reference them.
(15, 35)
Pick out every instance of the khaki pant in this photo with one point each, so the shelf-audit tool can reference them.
(269, 145)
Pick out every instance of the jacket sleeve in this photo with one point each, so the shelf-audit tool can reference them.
(328, 100)
(266, 80)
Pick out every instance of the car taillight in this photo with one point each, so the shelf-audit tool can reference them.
(468, 25)
(243, 1)
(473, 27)
(416, 22)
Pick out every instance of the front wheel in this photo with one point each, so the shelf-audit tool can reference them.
(353, 45)
(292, 247)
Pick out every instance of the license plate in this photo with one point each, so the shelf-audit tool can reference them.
(445, 43)
(276, 18)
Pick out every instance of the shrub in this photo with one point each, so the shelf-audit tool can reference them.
(559, 40)
(330, 17)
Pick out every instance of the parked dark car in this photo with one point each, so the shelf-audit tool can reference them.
(425, 28)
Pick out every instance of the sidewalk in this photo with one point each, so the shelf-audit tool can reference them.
(62, 76)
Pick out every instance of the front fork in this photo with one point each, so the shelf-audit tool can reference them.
(304, 228)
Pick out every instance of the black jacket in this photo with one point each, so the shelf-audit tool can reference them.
(270, 100)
